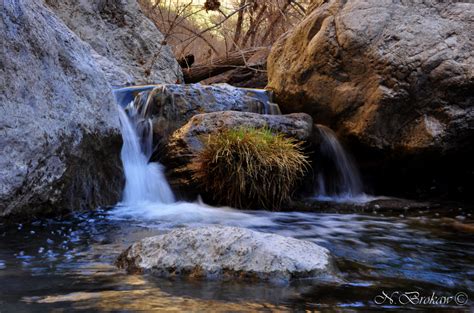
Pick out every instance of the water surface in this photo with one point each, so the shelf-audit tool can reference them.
(67, 264)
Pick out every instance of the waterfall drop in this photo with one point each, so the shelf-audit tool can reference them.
(338, 178)
(145, 181)
(147, 194)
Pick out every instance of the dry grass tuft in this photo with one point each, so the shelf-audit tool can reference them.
(250, 168)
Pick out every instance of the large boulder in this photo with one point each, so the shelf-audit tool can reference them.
(390, 76)
(60, 138)
(186, 142)
(127, 45)
(228, 252)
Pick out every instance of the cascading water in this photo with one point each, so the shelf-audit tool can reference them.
(338, 178)
(147, 194)
(145, 181)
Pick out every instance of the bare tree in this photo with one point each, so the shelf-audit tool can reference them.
(215, 29)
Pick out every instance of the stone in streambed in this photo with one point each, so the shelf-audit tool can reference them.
(172, 105)
(228, 252)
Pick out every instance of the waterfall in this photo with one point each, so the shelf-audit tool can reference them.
(145, 181)
(338, 178)
(148, 196)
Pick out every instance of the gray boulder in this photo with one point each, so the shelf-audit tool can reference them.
(60, 139)
(229, 253)
(187, 141)
(127, 45)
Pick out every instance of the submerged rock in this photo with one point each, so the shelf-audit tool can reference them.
(187, 141)
(228, 252)
(60, 139)
(395, 78)
(127, 45)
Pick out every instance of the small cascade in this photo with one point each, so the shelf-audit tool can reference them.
(338, 177)
(147, 194)
(170, 106)
(145, 181)
(174, 102)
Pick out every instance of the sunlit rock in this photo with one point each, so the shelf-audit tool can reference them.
(394, 74)
(392, 78)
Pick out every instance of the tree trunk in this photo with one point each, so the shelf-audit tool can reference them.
(238, 27)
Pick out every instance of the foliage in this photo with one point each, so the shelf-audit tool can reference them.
(250, 168)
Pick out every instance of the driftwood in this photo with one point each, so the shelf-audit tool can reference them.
(217, 66)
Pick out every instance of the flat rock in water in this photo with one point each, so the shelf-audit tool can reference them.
(228, 252)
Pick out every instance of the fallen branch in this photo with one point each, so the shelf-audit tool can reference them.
(220, 65)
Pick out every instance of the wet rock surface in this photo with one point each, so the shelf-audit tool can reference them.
(127, 45)
(185, 142)
(60, 141)
(225, 252)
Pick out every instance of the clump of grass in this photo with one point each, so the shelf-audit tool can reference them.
(250, 167)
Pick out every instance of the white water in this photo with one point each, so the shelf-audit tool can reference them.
(145, 181)
(345, 185)
(148, 196)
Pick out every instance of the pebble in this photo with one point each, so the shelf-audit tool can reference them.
(40, 250)
(460, 217)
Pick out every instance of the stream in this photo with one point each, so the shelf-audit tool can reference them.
(64, 264)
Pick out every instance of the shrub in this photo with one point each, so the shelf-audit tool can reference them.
(250, 168)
